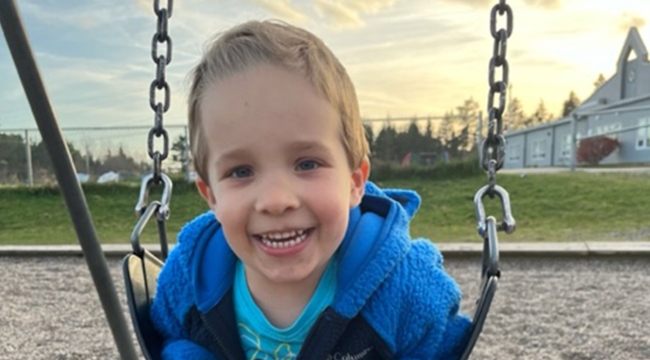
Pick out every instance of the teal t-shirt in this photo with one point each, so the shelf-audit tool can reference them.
(260, 339)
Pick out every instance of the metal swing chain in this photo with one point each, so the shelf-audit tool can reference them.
(143, 209)
(160, 83)
(493, 146)
(493, 155)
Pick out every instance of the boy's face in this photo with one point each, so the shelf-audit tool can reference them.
(279, 178)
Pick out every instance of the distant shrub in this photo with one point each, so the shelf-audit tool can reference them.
(456, 169)
(594, 150)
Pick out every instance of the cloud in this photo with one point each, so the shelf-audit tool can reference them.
(629, 20)
(346, 14)
(145, 5)
(543, 4)
(368, 6)
(338, 14)
(282, 9)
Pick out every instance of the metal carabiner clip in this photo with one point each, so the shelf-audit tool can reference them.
(508, 222)
(151, 209)
(142, 204)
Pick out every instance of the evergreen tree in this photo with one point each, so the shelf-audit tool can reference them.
(431, 144)
(457, 145)
(412, 139)
(428, 131)
(12, 158)
(571, 103)
(446, 129)
(41, 161)
(540, 116)
(181, 152)
(514, 118)
(601, 80)
(468, 115)
(119, 162)
(385, 144)
(370, 137)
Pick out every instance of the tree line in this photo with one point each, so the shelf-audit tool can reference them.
(454, 136)
(13, 161)
(516, 118)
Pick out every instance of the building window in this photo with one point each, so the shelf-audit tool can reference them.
(514, 152)
(608, 129)
(566, 147)
(613, 130)
(642, 134)
(539, 149)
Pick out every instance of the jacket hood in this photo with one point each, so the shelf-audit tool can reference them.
(376, 240)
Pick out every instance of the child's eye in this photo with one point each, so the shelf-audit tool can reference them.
(240, 172)
(307, 165)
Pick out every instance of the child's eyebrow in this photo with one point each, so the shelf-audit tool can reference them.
(308, 145)
(235, 155)
(231, 155)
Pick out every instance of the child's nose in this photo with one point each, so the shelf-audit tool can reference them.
(276, 197)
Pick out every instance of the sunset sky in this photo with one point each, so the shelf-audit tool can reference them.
(408, 57)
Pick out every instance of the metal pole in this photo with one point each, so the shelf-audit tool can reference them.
(574, 131)
(186, 155)
(28, 155)
(65, 174)
(479, 139)
(87, 161)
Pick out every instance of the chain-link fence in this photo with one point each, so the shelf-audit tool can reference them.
(106, 154)
(100, 154)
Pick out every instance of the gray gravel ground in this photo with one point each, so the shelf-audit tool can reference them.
(567, 309)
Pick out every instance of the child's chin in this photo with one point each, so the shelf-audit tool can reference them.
(292, 276)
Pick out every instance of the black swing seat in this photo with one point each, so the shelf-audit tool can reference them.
(140, 277)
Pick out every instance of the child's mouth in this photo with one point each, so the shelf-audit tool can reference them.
(284, 240)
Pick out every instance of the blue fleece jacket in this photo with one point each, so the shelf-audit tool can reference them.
(393, 298)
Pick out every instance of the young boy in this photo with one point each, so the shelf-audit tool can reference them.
(300, 256)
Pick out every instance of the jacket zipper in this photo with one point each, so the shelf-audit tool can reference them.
(223, 348)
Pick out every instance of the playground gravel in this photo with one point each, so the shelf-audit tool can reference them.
(563, 308)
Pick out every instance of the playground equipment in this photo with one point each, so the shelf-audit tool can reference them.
(141, 267)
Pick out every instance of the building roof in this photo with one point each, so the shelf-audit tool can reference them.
(611, 93)
(610, 96)
(540, 126)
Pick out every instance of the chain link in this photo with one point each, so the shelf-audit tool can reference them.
(493, 147)
(493, 155)
(143, 209)
(160, 83)
(494, 144)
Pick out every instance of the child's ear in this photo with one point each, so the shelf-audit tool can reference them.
(358, 184)
(206, 193)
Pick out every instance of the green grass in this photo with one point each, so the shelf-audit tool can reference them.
(547, 207)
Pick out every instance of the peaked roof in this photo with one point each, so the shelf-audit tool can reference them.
(611, 93)
(633, 42)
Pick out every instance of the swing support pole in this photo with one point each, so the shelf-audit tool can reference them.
(29, 74)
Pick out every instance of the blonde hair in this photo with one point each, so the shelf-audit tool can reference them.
(280, 44)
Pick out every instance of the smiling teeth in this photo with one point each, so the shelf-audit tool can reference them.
(284, 239)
